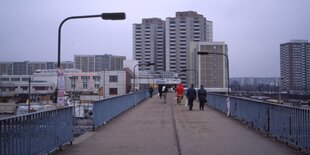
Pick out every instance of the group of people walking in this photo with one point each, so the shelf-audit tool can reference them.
(191, 95)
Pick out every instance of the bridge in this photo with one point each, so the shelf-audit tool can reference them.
(152, 127)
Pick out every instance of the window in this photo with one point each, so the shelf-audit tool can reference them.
(5, 79)
(96, 78)
(25, 79)
(96, 86)
(113, 91)
(84, 85)
(24, 88)
(15, 79)
(113, 78)
(85, 81)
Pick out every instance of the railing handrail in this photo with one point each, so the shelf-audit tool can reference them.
(37, 112)
(263, 102)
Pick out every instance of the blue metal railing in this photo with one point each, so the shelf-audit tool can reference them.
(105, 110)
(36, 133)
(291, 124)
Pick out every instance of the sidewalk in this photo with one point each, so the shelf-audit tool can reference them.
(148, 128)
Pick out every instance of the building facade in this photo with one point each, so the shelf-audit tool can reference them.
(29, 67)
(18, 85)
(295, 66)
(211, 69)
(149, 43)
(104, 84)
(180, 31)
(98, 63)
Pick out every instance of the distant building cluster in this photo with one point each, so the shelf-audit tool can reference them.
(167, 43)
(86, 63)
(28, 67)
(43, 83)
(295, 66)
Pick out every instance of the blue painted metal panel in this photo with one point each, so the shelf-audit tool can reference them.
(36, 133)
(107, 109)
(291, 124)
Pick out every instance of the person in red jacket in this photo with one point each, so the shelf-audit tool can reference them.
(179, 94)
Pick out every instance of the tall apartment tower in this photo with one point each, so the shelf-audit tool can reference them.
(180, 31)
(97, 63)
(212, 69)
(295, 66)
(149, 43)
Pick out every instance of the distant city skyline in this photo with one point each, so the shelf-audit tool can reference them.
(253, 30)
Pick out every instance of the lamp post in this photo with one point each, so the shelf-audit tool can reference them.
(134, 72)
(104, 16)
(196, 79)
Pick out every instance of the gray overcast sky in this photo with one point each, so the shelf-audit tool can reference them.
(253, 30)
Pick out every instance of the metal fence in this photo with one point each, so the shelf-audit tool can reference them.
(289, 124)
(105, 110)
(36, 133)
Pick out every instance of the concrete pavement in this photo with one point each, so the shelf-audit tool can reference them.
(156, 128)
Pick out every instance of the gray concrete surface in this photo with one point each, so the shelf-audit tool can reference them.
(148, 129)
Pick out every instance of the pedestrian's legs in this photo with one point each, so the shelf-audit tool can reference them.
(201, 105)
(165, 97)
(190, 103)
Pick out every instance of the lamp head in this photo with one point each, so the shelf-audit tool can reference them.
(113, 16)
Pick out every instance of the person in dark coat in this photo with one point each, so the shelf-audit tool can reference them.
(202, 96)
(151, 91)
(160, 91)
(191, 96)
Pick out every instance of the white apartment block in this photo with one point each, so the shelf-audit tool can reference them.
(149, 43)
(110, 83)
(180, 31)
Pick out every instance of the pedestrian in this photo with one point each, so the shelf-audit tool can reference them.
(202, 96)
(160, 90)
(179, 93)
(151, 91)
(164, 92)
(191, 96)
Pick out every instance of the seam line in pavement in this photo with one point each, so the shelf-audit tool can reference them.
(175, 130)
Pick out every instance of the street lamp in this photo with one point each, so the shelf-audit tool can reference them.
(104, 16)
(134, 72)
(196, 80)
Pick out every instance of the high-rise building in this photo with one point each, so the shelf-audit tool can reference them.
(180, 31)
(295, 66)
(212, 68)
(97, 63)
(149, 43)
